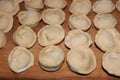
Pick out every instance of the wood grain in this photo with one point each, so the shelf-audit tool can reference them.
(35, 72)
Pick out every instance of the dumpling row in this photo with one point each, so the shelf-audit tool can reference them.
(51, 57)
(105, 22)
(80, 57)
(39, 4)
(107, 38)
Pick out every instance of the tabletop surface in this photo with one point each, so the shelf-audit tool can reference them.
(35, 72)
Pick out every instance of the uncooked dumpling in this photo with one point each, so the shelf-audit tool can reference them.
(3, 39)
(34, 4)
(104, 21)
(79, 22)
(82, 60)
(24, 36)
(107, 39)
(9, 6)
(77, 39)
(20, 59)
(56, 3)
(50, 35)
(111, 62)
(80, 7)
(103, 6)
(53, 16)
(118, 5)
(51, 58)
(6, 22)
(29, 18)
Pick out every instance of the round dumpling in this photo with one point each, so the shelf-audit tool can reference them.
(3, 39)
(118, 5)
(9, 6)
(104, 21)
(79, 22)
(103, 6)
(111, 62)
(107, 39)
(77, 39)
(29, 18)
(24, 36)
(51, 58)
(80, 7)
(82, 60)
(53, 16)
(56, 3)
(20, 59)
(6, 22)
(50, 35)
(34, 4)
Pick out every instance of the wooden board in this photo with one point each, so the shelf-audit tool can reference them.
(35, 72)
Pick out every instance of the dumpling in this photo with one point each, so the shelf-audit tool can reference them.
(107, 39)
(103, 6)
(111, 62)
(77, 39)
(79, 22)
(3, 39)
(55, 3)
(104, 21)
(20, 59)
(6, 22)
(80, 7)
(29, 18)
(82, 60)
(34, 4)
(51, 58)
(24, 36)
(53, 16)
(118, 5)
(9, 6)
(50, 35)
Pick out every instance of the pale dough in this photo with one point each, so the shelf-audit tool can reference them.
(79, 22)
(107, 39)
(111, 62)
(34, 4)
(51, 58)
(9, 6)
(104, 21)
(56, 3)
(20, 59)
(103, 6)
(77, 39)
(6, 22)
(80, 7)
(82, 60)
(29, 18)
(24, 36)
(50, 35)
(53, 16)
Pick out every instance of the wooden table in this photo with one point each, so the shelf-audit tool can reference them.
(35, 72)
